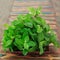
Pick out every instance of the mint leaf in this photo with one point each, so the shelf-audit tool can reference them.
(24, 52)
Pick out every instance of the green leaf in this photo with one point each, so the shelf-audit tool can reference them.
(41, 44)
(19, 46)
(26, 46)
(41, 50)
(35, 11)
(26, 39)
(6, 25)
(47, 28)
(38, 10)
(29, 24)
(40, 37)
(32, 49)
(53, 39)
(18, 36)
(32, 11)
(39, 29)
(32, 46)
(19, 43)
(20, 17)
(11, 49)
(31, 43)
(7, 44)
(25, 52)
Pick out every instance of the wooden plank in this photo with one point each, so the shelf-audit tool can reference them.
(26, 9)
(54, 54)
(43, 6)
(14, 57)
(53, 26)
(32, 0)
(58, 14)
(35, 6)
(46, 13)
(53, 15)
(46, 1)
(49, 18)
(31, 3)
(51, 22)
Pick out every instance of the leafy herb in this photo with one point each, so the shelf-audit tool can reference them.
(28, 33)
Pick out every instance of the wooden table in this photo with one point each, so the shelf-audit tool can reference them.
(20, 7)
(54, 54)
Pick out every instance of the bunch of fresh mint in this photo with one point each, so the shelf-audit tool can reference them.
(28, 33)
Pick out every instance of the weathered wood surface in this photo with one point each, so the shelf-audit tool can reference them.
(56, 4)
(53, 54)
(20, 7)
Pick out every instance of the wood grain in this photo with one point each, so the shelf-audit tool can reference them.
(20, 7)
(15, 9)
(53, 54)
(31, 3)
